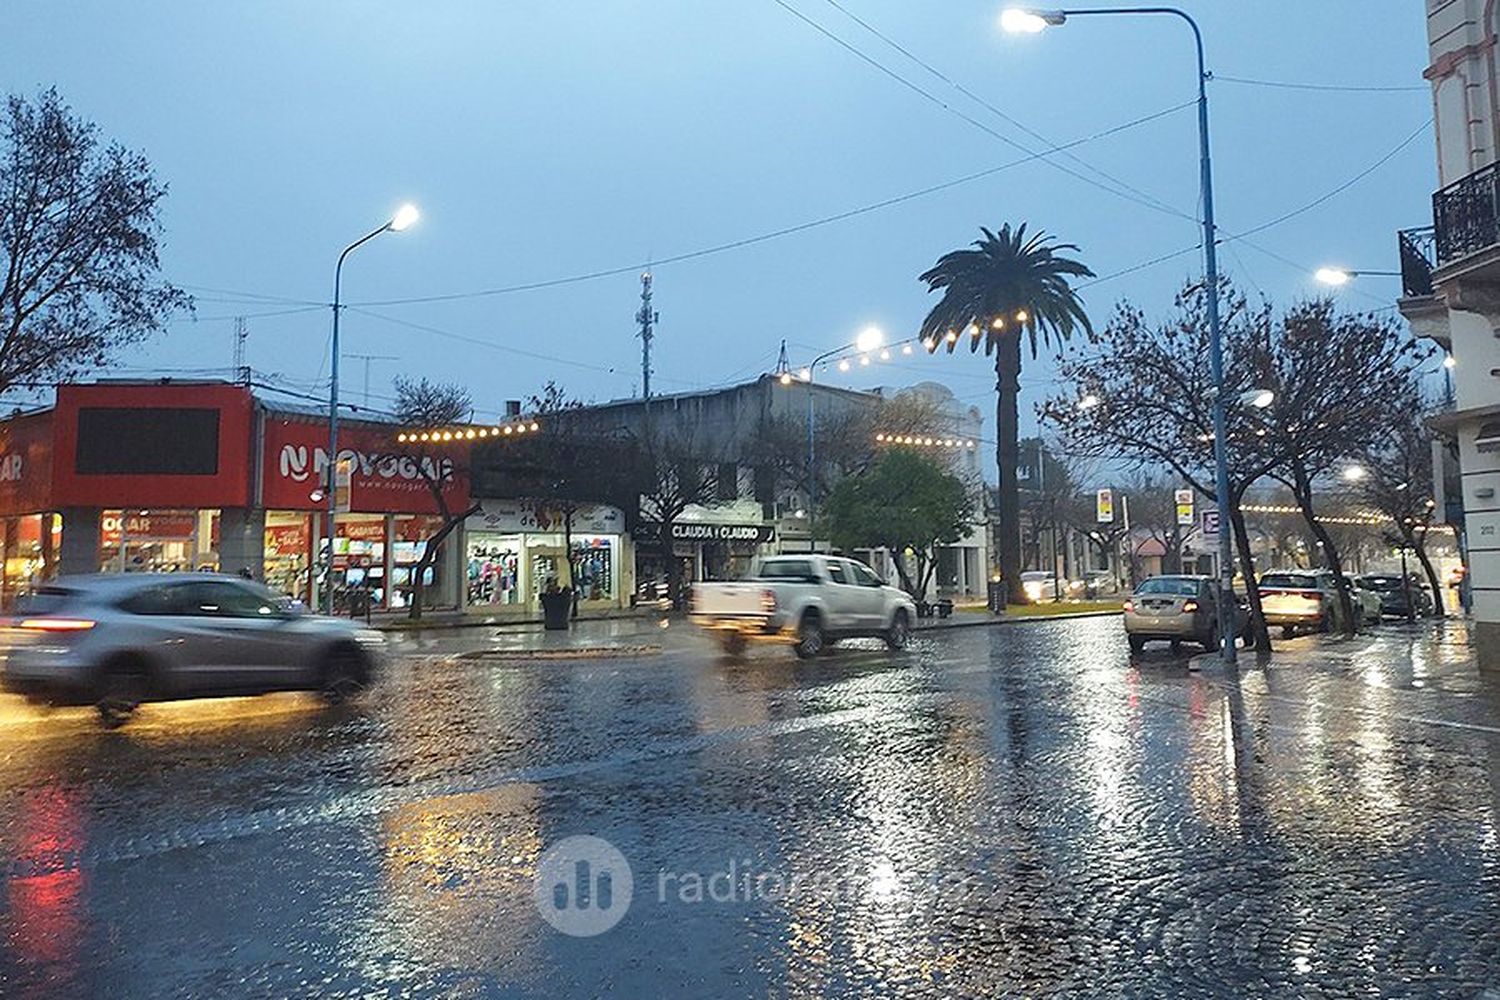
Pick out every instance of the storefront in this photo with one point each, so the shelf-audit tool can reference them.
(379, 544)
(514, 549)
(194, 476)
(704, 549)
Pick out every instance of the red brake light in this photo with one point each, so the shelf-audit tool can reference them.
(1129, 605)
(1190, 605)
(57, 624)
(768, 601)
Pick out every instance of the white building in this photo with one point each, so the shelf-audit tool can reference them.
(1451, 280)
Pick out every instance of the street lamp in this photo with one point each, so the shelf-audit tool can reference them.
(1033, 21)
(404, 218)
(1355, 473)
(1336, 276)
(869, 339)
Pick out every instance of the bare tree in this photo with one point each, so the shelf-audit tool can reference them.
(78, 243)
(419, 404)
(1398, 482)
(1335, 379)
(1149, 399)
(675, 476)
(1153, 513)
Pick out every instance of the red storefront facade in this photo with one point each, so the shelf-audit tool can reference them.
(163, 476)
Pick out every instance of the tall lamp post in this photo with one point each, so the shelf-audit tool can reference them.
(869, 339)
(1033, 21)
(403, 219)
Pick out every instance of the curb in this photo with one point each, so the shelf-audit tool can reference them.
(506, 624)
(576, 653)
(1018, 620)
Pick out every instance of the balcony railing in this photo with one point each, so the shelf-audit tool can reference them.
(1418, 257)
(1465, 215)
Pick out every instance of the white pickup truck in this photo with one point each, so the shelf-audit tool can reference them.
(807, 600)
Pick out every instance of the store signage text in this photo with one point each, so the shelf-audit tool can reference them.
(10, 468)
(295, 466)
(693, 532)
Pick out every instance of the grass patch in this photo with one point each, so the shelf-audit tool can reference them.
(1063, 608)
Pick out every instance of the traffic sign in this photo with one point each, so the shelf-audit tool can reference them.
(1208, 522)
(1104, 506)
(1185, 507)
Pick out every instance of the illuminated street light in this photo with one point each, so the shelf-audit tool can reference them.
(405, 216)
(1355, 473)
(1019, 21)
(1448, 361)
(1088, 402)
(1258, 398)
(869, 338)
(1336, 276)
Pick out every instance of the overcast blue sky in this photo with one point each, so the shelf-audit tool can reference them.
(549, 139)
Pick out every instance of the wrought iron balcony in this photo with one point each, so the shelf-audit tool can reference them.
(1418, 257)
(1465, 215)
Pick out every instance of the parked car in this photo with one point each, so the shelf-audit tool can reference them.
(1175, 608)
(1040, 586)
(117, 640)
(806, 600)
(1297, 601)
(1393, 593)
(1365, 602)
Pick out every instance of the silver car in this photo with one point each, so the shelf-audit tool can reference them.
(115, 641)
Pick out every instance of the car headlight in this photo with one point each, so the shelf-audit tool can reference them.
(1032, 588)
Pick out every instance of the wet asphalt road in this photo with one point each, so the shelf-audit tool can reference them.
(996, 811)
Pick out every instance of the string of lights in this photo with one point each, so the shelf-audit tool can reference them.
(924, 441)
(447, 435)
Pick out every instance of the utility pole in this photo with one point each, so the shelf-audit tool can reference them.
(783, 366)
(367, 358)
(647, 318)
(241, 334)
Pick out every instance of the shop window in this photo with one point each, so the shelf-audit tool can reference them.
(157, 541)
(593, 568)
(494, 569)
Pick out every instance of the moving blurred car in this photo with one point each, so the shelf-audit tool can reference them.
(116, 640)
(1094, 583)
(1393, 593)
(1040, 586)
(1175, 608)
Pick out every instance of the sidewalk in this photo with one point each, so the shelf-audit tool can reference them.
(598, 637)
(973, 618)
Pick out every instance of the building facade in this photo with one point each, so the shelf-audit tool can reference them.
(159, 476)
(1451, 285)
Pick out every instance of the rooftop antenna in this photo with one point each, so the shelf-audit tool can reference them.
(241, 334)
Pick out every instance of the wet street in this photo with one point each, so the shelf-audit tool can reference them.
(995, 811)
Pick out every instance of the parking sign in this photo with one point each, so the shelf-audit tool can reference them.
(1208, 522)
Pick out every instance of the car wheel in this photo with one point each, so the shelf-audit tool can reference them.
(344, 675)
(1288, 631)
(809, 637)
(122, 687)
(733, 644)
(1137, 643)
(1176, 645)
(899, 632)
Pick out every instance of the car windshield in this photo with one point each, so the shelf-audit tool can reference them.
(1176, 585)
(44, 600)
(1293, 580)
(796, 570)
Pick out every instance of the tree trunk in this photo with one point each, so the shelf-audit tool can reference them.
(1303, 491)
(1260, 636)
(429, 556)
(1171, 560)
(1419, 545)
(674, 569)
(898, 557)
(1007, 446)
(568, 557)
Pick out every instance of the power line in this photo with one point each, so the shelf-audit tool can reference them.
(777, 233)
(998, 112)
(927, 95)
(1329, 87)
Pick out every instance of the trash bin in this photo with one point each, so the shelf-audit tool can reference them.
(556, 606)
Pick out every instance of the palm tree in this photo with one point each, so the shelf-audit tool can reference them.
(1007, 284)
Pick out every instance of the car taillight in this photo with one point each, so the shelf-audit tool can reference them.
(57, 624)
(1129, 605)
(768, 601)
(1189, 605)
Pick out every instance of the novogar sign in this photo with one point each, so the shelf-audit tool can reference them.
(295, 460)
